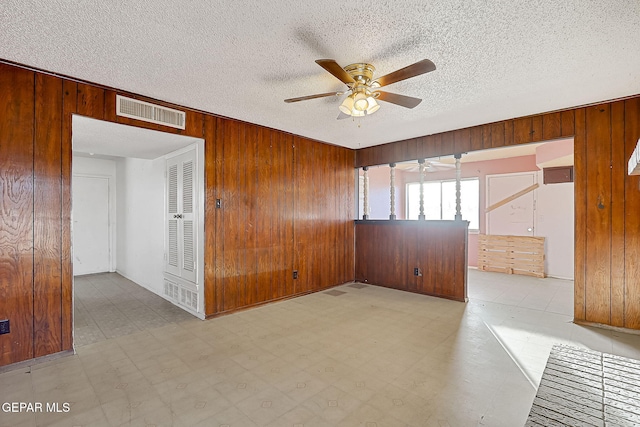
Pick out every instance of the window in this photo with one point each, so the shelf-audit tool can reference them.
(440, 200)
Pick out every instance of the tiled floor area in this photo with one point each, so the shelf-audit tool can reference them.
(368, 357)
(586, 387)
(108, 305)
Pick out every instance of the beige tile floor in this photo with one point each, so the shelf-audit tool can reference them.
(370, 357)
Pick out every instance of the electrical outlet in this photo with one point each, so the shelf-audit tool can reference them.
(417, 272)
(4, 327)
(218, 203)
(295, 274)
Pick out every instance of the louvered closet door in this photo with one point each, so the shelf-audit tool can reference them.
(181, 256)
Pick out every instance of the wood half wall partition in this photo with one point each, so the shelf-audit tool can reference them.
(607, 200)
(426, 257)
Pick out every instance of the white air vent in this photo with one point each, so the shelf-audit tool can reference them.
(171, 290)
(189, 298)
(134, 109)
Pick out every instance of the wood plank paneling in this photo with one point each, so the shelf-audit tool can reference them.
(211, 242)
(233, 204)
(387, 252)
(69, 106)
(447, 143)
(219, 220)
(462, 140)
(598, 251)
(551, 126)
(537, 129)
(508, 132)
(618, 173)
(16, 228)
(522, 130)
(475, 138)
(497, 134)
(486, 136)
(264, 211)
(251, 242)
(580, 214)
(280, 247)
(567, 123)
(632, 218)
(286, 211)
(47, 233)
(90, 101)
(431, 146)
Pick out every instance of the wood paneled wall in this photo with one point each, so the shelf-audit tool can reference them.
(287, 204)
(607, 200)
(387, 252)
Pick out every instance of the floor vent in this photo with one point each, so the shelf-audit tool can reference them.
(134, 109)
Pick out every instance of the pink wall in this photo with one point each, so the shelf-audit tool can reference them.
(379, 194)
(554, 150)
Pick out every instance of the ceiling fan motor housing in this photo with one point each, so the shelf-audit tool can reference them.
(362, 73)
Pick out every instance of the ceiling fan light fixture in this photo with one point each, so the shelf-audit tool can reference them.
(360, 102)
(357, 113)
(347, 105)
(373, 105)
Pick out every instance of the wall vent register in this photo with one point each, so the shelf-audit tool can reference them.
(140, 110)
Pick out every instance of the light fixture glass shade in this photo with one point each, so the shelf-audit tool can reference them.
(360, 102)
(373, 105)
(347, 105)
(356, 113)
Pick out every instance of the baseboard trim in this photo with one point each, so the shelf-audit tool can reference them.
(35, 361)
(607, 327)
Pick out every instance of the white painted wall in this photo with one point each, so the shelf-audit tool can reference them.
(554, 221)
(89, 166)
(140, 217)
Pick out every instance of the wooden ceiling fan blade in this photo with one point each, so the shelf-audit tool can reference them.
(420, 67)
(336, 70)
(394, 98)
(319, 95)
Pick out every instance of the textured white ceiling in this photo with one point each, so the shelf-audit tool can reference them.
(106, 139)
(495, 59)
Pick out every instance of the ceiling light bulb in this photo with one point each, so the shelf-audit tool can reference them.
(373, 105)
(347, 105)
(360, 102)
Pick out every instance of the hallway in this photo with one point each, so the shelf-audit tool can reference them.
(107, 305)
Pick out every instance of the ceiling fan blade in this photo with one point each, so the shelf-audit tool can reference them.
(342, 116)
(402, 100)
(336, 70)
(319, 95)
(420, 67)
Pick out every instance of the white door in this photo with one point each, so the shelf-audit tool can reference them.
(181, 237)
(515, 218)
(91, 249)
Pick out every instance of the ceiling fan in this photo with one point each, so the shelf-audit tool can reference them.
(363, 88)
(429, 166)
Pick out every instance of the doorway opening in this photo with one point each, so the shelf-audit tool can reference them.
(503, 192)
(120, 229)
